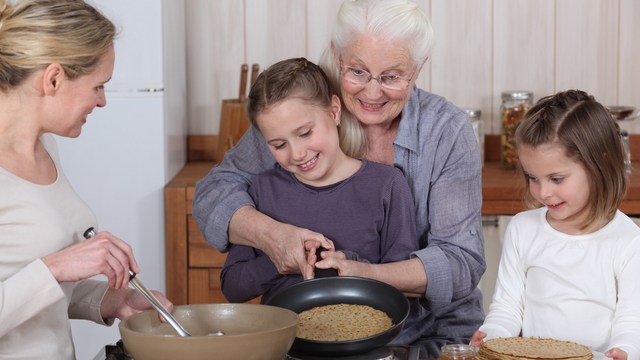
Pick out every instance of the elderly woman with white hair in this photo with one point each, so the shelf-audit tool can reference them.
(377, 51)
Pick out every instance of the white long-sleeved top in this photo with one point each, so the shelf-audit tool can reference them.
(37, 220)
(582, 288)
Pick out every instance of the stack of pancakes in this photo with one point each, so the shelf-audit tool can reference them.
(518, 348)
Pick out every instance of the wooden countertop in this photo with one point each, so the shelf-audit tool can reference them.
(501, 189)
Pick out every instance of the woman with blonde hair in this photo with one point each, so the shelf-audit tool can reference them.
(55, 58)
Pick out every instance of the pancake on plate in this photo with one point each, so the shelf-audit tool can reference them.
(517, 348)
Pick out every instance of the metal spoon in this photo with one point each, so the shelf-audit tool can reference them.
(133, 280)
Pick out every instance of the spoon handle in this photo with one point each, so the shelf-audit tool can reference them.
(133, 280)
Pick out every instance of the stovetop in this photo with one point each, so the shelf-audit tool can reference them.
(117, 352)
(383, 353)
(113, 352)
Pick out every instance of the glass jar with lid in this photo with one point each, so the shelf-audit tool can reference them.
(476, 123)
(514, 105)
(458, 352)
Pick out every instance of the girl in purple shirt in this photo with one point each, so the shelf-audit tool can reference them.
(364, 208)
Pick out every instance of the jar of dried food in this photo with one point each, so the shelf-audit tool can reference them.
(476, 122)
(514, 105)
(458, 352)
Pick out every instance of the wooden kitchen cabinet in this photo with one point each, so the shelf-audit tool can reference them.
(192, 265)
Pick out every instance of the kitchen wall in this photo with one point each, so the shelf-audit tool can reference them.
(483, 47)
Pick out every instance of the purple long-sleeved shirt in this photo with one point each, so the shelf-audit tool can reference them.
(369, 216)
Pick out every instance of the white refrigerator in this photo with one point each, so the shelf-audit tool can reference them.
(130, 149)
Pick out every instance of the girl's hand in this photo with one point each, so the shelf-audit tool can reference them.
(103, 254)
(477, 338)
(616, 354)
(338, 260)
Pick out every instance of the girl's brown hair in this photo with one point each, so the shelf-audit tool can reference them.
(36, 33)
(589, 135)
(286, 79)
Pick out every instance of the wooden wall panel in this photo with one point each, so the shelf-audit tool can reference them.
(483, 47)
(587, 47)
(461, 61)
(629, 59)
(215, 50)
(523, 51)
(276, 30)
(321, 15)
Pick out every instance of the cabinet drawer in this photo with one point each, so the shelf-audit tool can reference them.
(201, 254)
(204, 286)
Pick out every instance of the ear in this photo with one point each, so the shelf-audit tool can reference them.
(336, 109)
(52, 78)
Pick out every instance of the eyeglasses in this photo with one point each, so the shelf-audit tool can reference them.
(359, 76)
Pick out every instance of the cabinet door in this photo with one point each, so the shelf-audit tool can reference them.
(201, 254)
(493, 230)
(204, 287)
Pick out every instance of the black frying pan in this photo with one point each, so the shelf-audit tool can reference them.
(344, 290)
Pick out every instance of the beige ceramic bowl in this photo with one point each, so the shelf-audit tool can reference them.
(251, 332)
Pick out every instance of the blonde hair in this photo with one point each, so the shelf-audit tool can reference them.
(398, 21)
(584, 128)
(36, 33)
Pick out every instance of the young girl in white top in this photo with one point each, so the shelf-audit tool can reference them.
(570, 267)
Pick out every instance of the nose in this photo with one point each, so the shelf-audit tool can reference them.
(545, 190)
(102, 99)
(377, 79)
(374, 86)
(298, 152)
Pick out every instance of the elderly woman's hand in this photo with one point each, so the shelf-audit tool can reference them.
(288, 253)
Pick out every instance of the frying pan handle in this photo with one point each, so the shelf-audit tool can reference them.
(320, 273)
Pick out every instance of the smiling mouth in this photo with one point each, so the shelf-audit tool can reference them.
(309, 163)
(372, 106)
(553, 206)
